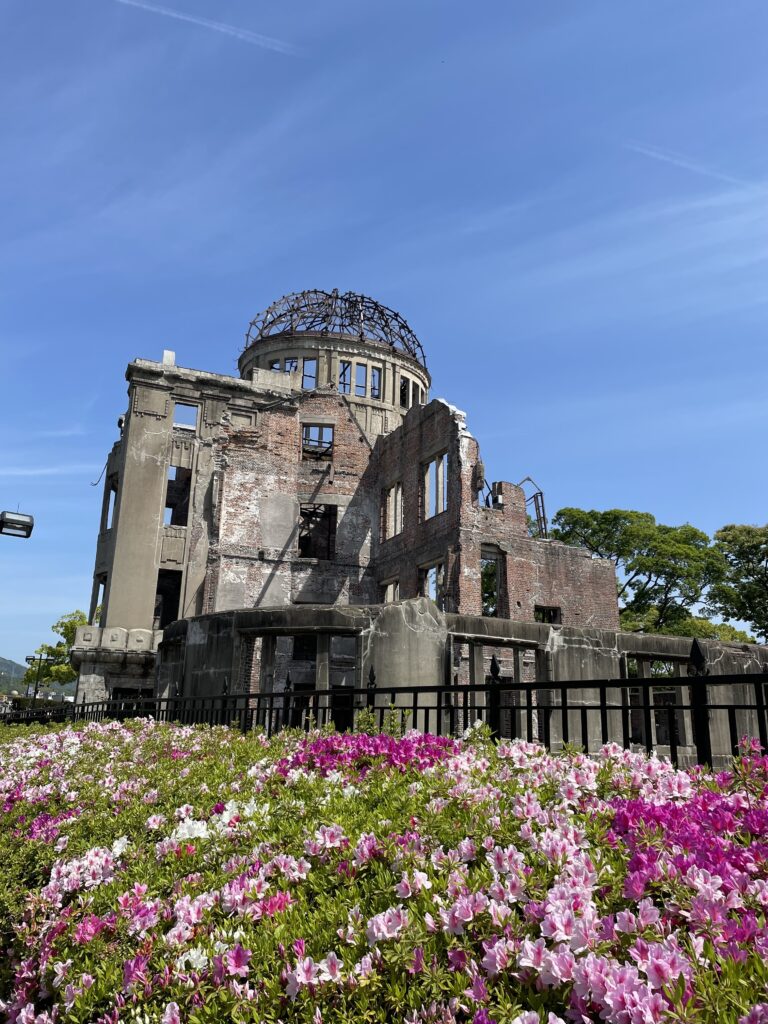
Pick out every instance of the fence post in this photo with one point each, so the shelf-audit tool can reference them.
(699, 702)
(493, 697)
(287, 701)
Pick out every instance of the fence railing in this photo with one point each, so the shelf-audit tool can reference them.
(697, 720)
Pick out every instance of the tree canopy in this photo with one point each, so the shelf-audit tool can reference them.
(742, 591)
(663, 571)
(58, 670)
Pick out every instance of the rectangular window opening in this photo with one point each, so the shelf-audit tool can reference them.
(375, 382)
(391, 591)
(317, 531)
(405, 392)
(309, 377)
(291, 364)
(305, 647)
(392, 511)
(433, 583)
(274, 365)
(167, 597)
(177, 493)
(185, 416)
(361, 380)
(98, 601)
(489, 584)
(345, 377)
(316, 441)
(549, 614)
(434, 488)
(111, 502)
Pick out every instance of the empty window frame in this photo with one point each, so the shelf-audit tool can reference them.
(434, 489)
(361, 380)
(317, 531)
(550, 614)
(110, 500)
(391, 591)
(309, 376)
(392, 511)
(490, 581)
(274, 364)
(345, 377)
(177, 493)
(167, 597)
(97, 600)
(305, 647)
(316, 441)
(433, 583)
(185, 416)
(376, 382)
(291, 364)
(405, 392)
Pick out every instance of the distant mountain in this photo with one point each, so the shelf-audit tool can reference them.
(10, 672)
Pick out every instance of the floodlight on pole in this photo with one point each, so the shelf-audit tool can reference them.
(40, 659)
(16, 524)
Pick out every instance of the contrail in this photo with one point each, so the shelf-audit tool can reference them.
(60, 470)
(678, 160)
(244, 34)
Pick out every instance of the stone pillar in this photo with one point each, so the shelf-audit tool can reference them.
(407, 647)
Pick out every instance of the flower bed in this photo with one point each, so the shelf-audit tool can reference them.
(151, 873)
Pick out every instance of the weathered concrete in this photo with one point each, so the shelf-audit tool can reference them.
(413, 644)
(299, 491)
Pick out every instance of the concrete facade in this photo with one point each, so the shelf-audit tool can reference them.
(318, 516)
(321, 475)
(412, 643)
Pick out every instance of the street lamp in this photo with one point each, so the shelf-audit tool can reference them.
(41, 660)
(16, 524)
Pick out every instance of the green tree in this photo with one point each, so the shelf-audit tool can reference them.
(489, 586)
(688, 625)
(742, 591)
(58, 670)
(662, 571)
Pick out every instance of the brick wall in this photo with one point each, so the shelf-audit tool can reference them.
(254, 558)
(532, 572)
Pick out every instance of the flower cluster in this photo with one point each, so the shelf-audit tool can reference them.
(166, 874)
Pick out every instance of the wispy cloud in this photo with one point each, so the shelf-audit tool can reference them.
(243, 34)
(61, 432)
(667, 156)
(63, 470)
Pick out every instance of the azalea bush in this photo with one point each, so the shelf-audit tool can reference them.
(156, 873)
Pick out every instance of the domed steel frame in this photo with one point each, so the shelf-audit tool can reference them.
(349, 314)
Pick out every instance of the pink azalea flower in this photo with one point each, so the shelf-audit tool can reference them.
(237, 960)
(171, 1014)
(330, 969)
(387, 925)
(417, 964)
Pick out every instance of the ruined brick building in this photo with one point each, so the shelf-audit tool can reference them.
(297, 518)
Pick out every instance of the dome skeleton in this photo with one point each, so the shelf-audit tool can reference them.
(349, 314)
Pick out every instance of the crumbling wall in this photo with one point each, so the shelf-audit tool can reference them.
(266, 481)
(531, 573)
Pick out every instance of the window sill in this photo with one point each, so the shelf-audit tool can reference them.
(437, 515)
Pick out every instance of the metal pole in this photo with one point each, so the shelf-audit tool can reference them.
(37, 677)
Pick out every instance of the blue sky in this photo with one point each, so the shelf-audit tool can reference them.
(567, 201)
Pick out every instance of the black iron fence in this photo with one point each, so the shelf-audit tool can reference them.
(697, 720)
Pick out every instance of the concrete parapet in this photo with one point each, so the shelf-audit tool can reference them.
(88, 636)
(140, 640)
(112, 660)
(114, 638)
